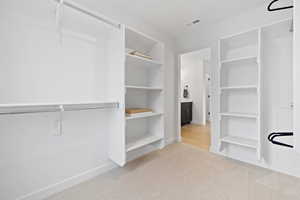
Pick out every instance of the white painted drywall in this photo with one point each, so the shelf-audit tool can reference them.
(296, 76)
(276, 158)
(34, 162)
(192, 75)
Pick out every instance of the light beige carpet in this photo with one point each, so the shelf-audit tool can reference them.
(182, 172)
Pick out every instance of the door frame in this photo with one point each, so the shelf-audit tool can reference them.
(205, 54)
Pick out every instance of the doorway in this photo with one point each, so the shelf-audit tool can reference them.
(194, 99)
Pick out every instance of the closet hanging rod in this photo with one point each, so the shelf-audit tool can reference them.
(46, 108)
(88, 12)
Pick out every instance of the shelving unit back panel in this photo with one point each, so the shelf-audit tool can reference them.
(144, 99)
(144, 44)
(239, 127)
(139, 128)
(240, 101)
(277, 60)
(242, 45)
(43, 66)
(140, 76)
(239, 74)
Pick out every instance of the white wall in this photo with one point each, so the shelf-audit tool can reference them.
(192, 75)
(279, 159)
(296, 72)
(34, 161)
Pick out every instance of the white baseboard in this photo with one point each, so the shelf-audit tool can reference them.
(171, 141)
(258, 164)
(69, 182)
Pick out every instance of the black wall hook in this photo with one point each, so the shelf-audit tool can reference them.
(273, 136)
(279, 8)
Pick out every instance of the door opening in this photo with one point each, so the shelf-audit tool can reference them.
(194, 98)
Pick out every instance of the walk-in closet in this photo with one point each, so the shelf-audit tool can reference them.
(143, 100)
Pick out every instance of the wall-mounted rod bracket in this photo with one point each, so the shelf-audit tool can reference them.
(58, 19)
(61, 108)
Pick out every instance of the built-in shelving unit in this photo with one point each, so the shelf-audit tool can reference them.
(144, 89)
(239, 91)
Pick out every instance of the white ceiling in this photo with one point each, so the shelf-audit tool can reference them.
(171, 16)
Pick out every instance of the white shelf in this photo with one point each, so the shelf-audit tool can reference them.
(140, 142)
(53, 107)
(242, 115)
(132, 60)
(143, 115)
(143, 88)
(241, 59)
(240, 141)
(242, 87)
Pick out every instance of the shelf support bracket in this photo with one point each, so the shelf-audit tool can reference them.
(58, 19)
(61, 108)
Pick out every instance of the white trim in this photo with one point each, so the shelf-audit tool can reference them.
(68, 182)
(178, 98)
(256, 28)
(143, 34)
(171, 140)
(86, 11)
(262, 164)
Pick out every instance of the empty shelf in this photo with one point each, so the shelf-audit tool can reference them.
(241, 59)
(240, 141)
(244, 87)
(138, 143)
(55, 107)
(132, 60)
(243, 115)
(143, 88)
(142, 115)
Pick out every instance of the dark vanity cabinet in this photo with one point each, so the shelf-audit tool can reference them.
(186, 112)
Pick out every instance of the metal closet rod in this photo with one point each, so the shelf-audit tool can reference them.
(58, 108)
(87, 12)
